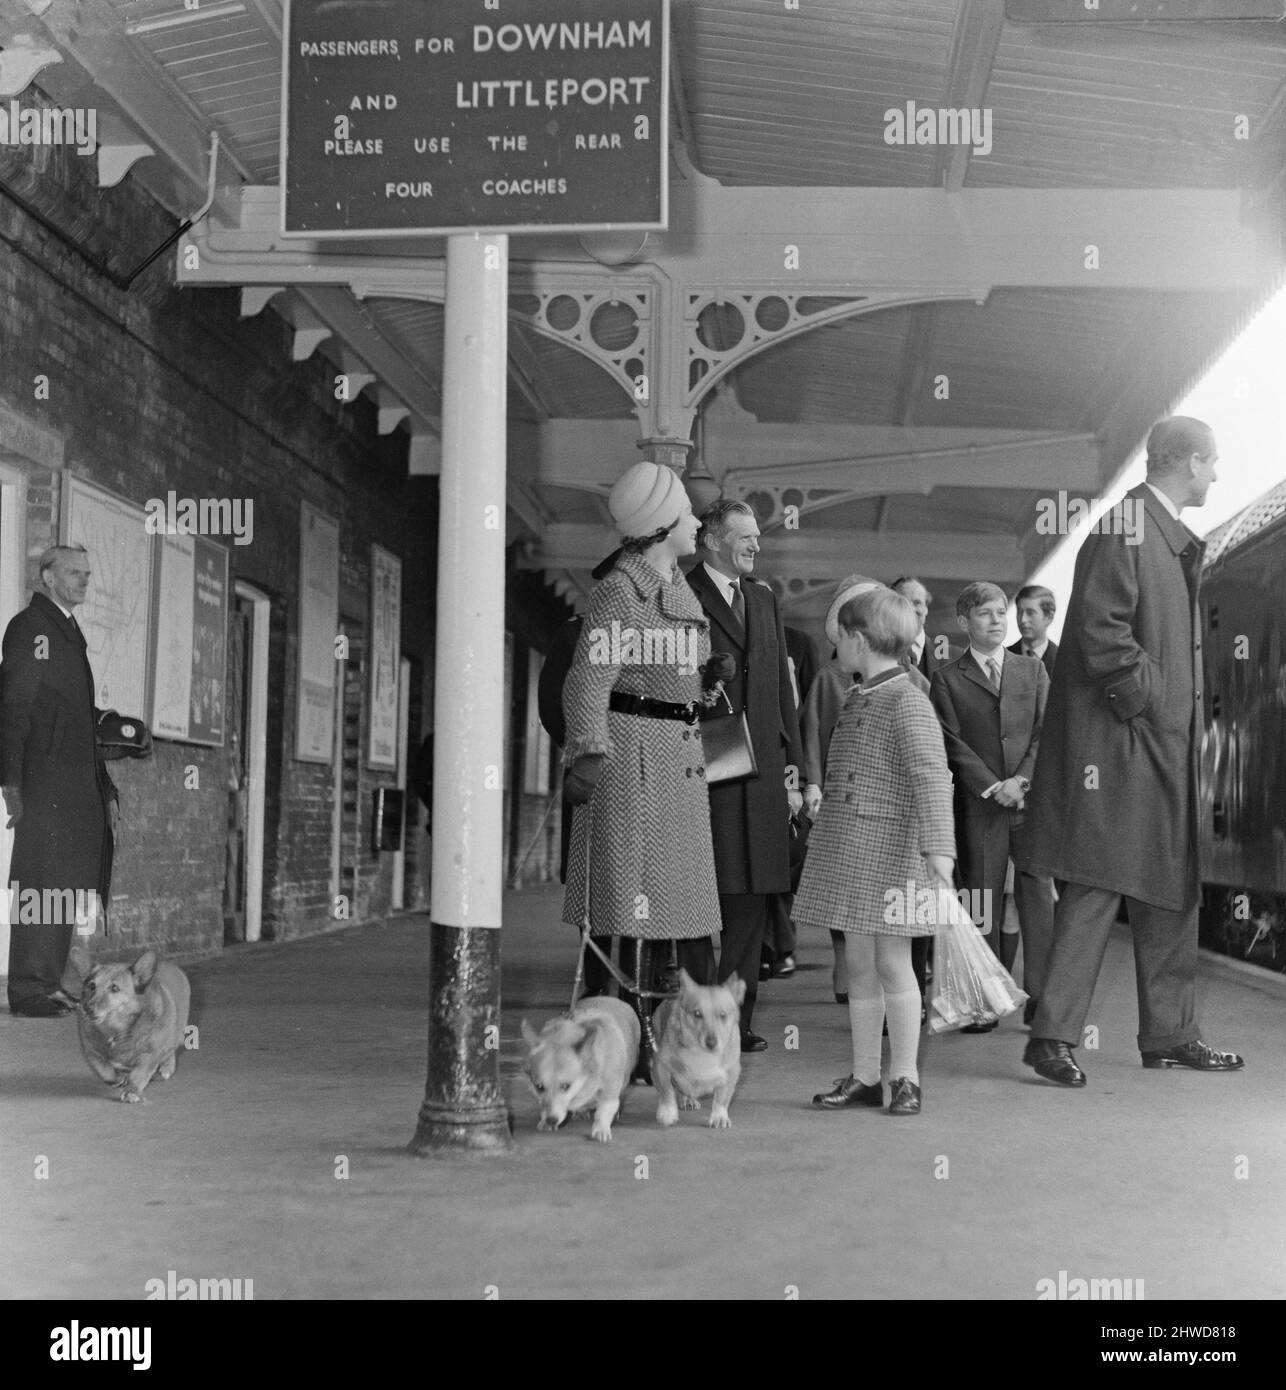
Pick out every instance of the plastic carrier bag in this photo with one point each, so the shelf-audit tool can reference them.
(970, 984)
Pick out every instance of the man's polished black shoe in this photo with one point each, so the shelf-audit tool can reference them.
(60, 996)
(1196, 1055)
(981, 1027)
(784, 968)
(752, 1042)
(40, 1008)
(905, 1097)
(851, 1091)
(1053, 1060)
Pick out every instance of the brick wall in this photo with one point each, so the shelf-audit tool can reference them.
(156, 388)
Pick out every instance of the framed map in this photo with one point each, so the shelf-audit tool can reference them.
(386, 656)
(115, 615)
(189, 686)
(318, 628)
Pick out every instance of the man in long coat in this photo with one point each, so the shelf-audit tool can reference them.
(1113, 806)
(56, 788)
(749, 820)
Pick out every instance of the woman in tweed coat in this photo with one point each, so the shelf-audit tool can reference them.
(636, 768)
(884, 836)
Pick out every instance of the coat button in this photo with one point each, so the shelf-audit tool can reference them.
(849, 797)
(701, 772)
(688, 771)
(687, 733)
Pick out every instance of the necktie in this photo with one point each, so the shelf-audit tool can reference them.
(738, 603)
(1028, 650)
(993, 671)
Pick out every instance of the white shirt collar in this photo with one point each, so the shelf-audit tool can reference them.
(917, 648)
(1165, 501)
(998, 656)
(66, 612)
(723, 581)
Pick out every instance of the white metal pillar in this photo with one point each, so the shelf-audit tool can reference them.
(464, 1106)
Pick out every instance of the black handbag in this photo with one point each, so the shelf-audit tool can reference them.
(729, 753)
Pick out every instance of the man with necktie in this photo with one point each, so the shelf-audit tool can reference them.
(1035, 607)
(991, 706)
(921, 656)
(749, 820)
(56, 788)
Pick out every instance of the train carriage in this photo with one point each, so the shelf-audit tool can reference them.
(1243, 750)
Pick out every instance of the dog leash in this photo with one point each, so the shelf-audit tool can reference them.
(630, 986)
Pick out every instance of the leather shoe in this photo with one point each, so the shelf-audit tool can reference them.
(981, 1027)
(784, 968)
(40, 1008)
(905, 1097)
(765, 971)
(1196, 1055)
(1053, 1060)
(851, 1091)
(60, 996)
(752, 1042)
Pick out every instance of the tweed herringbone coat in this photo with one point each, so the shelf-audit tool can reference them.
(886, 804)
(651, 869)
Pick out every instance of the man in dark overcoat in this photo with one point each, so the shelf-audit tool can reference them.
(56, 788)
(749, 820)
(1113, 806)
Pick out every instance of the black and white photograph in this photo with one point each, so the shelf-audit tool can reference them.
(644, 659)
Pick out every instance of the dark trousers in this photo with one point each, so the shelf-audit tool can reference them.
(1165, 967)
(37, 959)
(745, 916)
(779, 935)
(986, 845)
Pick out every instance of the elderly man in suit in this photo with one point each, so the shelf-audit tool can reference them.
(749, 819)
(1035, 606)
(920, 657)
(1113, 808)
(991, 705)
(61, 801)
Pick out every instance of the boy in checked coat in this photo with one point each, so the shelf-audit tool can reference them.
(882, 848)
(991, 704)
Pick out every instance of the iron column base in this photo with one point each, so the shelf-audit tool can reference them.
(464, 1108)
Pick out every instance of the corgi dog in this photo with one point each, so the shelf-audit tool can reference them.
(131, 1020)
(583, 1062)
(698, 1049)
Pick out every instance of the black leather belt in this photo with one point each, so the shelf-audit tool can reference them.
(651, 709)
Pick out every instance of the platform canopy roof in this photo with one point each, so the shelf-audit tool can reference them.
(963, 331)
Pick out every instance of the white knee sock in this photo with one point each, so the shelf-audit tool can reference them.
(866, 1018)
(904, 1034)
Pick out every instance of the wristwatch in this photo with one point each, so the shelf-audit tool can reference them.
(1024, 785)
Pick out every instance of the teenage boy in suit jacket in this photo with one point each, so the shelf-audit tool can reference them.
(1036, 607)
(991, 705)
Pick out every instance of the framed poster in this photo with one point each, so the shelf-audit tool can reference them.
(189, 680)
(385, 657)
(115, 616)
(318, 629)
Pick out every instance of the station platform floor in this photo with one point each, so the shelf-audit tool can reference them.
(312, 1052)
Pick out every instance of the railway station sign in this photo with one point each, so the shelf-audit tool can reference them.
(403, 118)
